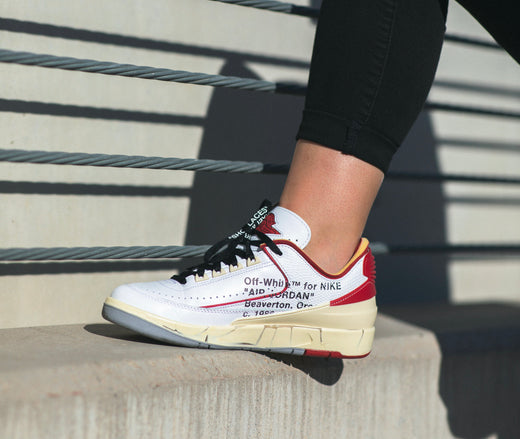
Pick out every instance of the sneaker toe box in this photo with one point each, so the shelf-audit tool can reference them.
(148, 295)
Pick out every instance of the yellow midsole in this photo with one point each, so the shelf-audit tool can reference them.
(348, 329)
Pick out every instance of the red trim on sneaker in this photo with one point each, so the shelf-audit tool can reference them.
(364, 292)
(367, 290)
(266, 226)
(316, 266)
(330, 354)
(369, 266)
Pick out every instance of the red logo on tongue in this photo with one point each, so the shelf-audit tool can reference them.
(266, 226)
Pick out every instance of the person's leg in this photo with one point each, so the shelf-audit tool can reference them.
(333, 192)
(500, 19)
(372, 67)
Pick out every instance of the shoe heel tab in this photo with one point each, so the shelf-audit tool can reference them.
(362, 246)
(360, 250)
(369, 266)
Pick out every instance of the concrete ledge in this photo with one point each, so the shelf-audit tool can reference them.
(101, 381)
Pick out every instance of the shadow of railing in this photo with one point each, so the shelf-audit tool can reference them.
(67, 110)
(479, 380)
(45, 188)
(508, 92)
(85, 35)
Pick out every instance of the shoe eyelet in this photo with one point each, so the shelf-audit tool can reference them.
(235, 267)
(217, 273)
(254, 261)
(201, 278)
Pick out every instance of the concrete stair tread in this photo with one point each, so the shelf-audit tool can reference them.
(87, 349)
(100, 380)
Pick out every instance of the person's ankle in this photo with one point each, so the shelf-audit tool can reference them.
(330, 247)
(331, 257)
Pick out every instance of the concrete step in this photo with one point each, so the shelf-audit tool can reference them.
(102, 381)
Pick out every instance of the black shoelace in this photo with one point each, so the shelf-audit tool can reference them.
(237, 245)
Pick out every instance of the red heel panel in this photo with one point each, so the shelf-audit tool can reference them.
(369, 266)
(365, 291)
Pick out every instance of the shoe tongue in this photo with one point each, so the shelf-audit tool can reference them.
(281, 223)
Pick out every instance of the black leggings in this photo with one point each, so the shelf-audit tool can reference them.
(373, 65)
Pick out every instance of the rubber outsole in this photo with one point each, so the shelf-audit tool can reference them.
(267, 337)
(151, 330)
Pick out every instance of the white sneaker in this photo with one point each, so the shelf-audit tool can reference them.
(258, 290)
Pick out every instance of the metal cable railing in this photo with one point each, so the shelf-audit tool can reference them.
(185, 77)
(94, 253)
(471, 110)
(132, 71)
(305, 11)
(125, 161)
(190, 251)
(275, 6)
(472, 41)
(171, 163)
(229, 166)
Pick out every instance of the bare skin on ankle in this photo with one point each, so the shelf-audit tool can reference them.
(333, 193)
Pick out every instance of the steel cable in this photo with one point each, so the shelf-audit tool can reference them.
(460, 178)
(181, 76)
(124, 161)
(172, 163)
(454, 249)
(471, 110)
(130, 70)
(190, 251)
(276, 6)
(305, 11)
(91, 253)
(472, 41)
